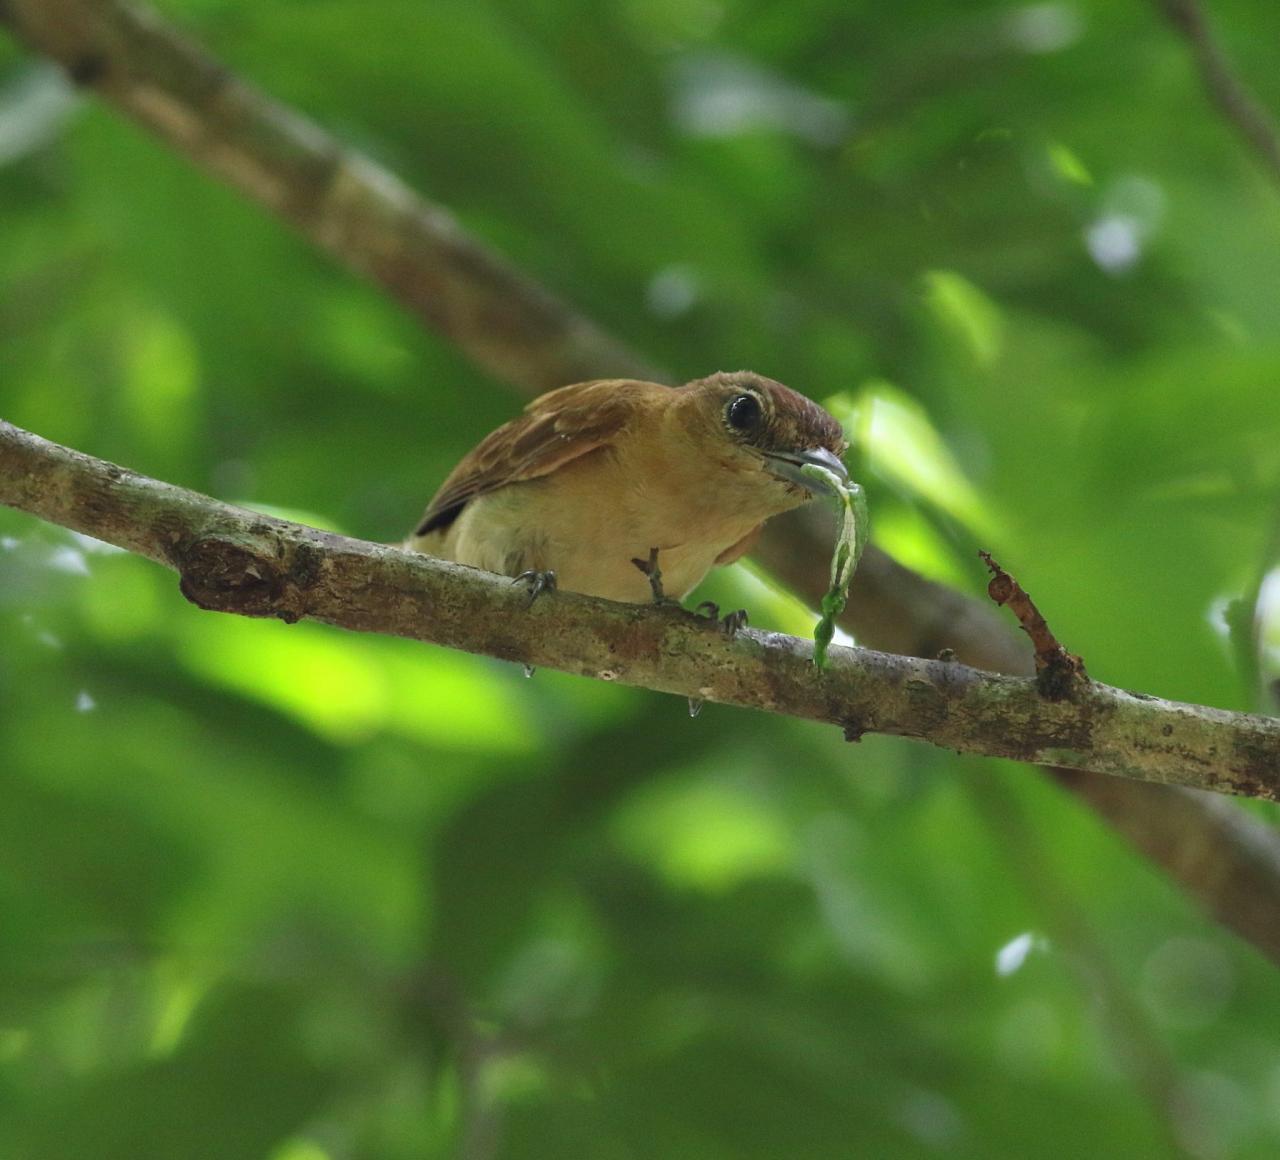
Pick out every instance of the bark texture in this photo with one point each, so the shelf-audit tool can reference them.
(232, 560)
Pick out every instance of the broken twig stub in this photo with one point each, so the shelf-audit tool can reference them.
(1059, 674)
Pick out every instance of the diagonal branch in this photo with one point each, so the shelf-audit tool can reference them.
(371, 222)
(360, 212)
(1236, 103)
(233, 560)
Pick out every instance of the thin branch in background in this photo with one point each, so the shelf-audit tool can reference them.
(342, 201)
(1236, 103)
(1262, 134)
(1136, 1046)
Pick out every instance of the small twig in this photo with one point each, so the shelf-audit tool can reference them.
(1058, 673)
(1225, 88)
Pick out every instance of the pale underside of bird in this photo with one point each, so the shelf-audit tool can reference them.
(594, 476)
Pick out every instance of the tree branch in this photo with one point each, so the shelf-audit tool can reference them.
(232, 560)
(1239, 106)
(370, 221)
(360, 212)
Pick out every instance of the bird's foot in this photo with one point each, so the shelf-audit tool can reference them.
(730, 624)
(650, 568)
(538, 582)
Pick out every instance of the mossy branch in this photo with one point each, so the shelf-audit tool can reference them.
(232, 560)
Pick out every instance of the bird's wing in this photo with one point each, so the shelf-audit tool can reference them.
(555, 428)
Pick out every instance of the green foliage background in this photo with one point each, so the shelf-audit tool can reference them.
(280, 892)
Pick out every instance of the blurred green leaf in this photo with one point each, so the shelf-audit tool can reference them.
(1067, 165)
(703, 836)
(348, 689)
(967, 314)
(897, 440)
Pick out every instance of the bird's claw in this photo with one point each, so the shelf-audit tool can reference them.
(730, 624)
(538, 582)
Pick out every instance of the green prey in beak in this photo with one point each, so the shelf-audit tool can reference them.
(797, 466)
(822, 473)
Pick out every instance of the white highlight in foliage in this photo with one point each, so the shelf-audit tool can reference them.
(722, 95)
(95, 547)
(69, 560)
(1011, 957)
(32, 111)
(672, 291)
(1044, 28)
(1114, 242)
(1131, 214)
(931, 1118)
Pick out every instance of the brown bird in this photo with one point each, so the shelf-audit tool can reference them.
(595, 476)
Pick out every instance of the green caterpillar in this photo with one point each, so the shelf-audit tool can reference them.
(852, 538)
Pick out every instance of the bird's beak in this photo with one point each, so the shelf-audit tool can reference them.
(787, 464)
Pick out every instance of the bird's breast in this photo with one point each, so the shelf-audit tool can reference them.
(588, 520)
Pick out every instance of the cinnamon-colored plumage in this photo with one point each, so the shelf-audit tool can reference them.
(595, 475)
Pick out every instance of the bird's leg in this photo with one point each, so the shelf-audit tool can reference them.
(538, 582)
(730, 623)
(650, 568)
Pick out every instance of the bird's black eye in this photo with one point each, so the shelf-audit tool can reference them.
(743, 412)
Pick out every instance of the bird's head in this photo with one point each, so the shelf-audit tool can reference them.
(758, 425)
